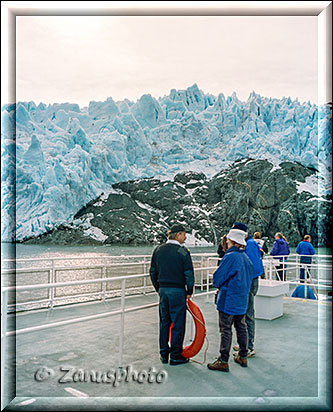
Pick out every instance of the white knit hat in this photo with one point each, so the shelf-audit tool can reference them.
(238, 236)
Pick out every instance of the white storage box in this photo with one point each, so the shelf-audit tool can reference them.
(268, 302)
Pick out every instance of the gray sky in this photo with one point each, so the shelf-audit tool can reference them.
(79, 59)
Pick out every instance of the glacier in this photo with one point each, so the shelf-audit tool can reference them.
(58, 157)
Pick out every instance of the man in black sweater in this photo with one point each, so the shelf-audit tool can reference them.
(172, 275)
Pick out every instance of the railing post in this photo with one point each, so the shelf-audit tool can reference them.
(305, 289)
(104, 283)
(202, 273)
(4, 309)
(144, 271)
(122, 322)
(52, 280)
(207, 285)
(271, 269)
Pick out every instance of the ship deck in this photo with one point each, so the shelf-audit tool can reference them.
(292, 369)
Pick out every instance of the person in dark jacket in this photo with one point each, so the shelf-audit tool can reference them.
(222, 249)
(305, 248)
(233, 278)
(280, 248)
(172, 275)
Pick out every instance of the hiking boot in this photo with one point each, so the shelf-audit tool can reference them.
(241, 361)
(218, 365)
(250, 353)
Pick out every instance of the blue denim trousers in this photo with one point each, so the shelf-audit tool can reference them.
(250, 319)
(225, 323)
(172, 309)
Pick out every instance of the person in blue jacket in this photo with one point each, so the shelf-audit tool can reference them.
(305, 248)
(299, 292)
(280, 248)
(233, 278)
(252, 250)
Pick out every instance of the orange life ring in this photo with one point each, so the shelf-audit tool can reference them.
(200, 330)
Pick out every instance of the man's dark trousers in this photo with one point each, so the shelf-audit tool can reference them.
(172, 310)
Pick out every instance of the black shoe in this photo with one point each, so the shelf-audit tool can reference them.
(164, 359)
(179, 361)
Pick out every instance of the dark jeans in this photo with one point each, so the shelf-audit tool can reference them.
(302, 274)
(281, 272)
(250, 320)
(225, 322)
(172, 310)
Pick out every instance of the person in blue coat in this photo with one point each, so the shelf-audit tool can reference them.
(299, 292)
(252, 250)
(280, 248)
(305, 248)
(233, 278)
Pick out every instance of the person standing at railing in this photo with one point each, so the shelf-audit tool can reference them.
(280, 248)
(222, 249)
(263, 248)
(172, 275)
(233, 278)
(252, 250)
(305, 248)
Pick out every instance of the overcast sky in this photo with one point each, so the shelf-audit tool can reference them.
(80, 59)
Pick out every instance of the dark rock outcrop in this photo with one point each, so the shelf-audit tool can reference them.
(265, 197)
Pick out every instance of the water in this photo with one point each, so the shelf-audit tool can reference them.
(40, 271)
(21, 251)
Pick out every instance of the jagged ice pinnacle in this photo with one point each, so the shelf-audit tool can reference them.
(59, 157)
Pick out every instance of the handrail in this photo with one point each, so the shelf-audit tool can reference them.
(52, 285)
(212, 254)
(27, 269)
(91, 257)
(84, 282)
(72, 283)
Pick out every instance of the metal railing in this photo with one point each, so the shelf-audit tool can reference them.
(121, 311)
(205, 265)
(50, 272)
(291, 265)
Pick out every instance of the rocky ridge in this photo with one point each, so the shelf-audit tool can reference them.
(267, 198)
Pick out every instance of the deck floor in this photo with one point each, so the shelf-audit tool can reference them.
(291, 371)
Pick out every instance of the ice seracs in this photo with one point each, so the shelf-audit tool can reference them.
(66, 156)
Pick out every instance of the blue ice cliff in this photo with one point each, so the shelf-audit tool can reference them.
(56, 158)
